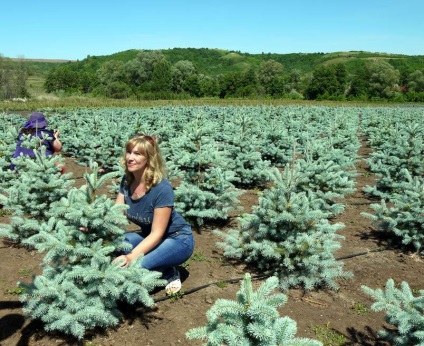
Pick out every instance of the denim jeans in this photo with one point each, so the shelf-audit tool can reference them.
(172, 251)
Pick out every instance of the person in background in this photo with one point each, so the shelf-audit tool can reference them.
(165, 239)
(37, 126)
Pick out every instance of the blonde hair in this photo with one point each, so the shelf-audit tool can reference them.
(155, 169)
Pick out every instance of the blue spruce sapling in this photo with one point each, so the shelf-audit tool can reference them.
(212, 198)
(7, 147)
(402, 148)
(251, 320)
(403, 217)
(38, 183)
(79, 287)
(206, 191)
(404, 310)
(277, 147)
(327, 180)
(287, 237)
(243, 154)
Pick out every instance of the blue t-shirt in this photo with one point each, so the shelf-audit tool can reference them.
(141, 210)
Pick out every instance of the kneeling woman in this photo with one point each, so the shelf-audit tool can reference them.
(165, 238)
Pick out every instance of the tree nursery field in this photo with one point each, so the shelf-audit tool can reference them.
(327, 202)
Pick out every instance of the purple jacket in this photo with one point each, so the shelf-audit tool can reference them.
(30, 152)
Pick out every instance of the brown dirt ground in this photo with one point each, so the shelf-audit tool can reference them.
(167, 323)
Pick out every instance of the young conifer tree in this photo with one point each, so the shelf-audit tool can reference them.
(327, 180)
(7, 147)
(288, 237)
(79, 287)
(206, 191)
(403, 217)
(251, 320)
(401, 149)
(325, 149)
(243, 152)
(212, 198)
(328, 172)
(404, 311)
(106, 132)
(277, 147)
(37, 184)
(193, 150)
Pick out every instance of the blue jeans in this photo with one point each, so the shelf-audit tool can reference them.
(172, 251)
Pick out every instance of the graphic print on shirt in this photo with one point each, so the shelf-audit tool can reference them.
(138, 220)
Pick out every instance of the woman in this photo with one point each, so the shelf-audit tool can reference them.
(165, 239)
(36, 126)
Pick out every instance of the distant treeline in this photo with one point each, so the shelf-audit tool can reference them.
(182, 73)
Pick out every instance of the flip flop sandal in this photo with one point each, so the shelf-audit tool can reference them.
(174, 283)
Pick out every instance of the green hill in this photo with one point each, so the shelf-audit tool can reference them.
(219, 61)
(221, 73)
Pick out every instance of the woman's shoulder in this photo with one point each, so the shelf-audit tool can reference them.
(163, 184)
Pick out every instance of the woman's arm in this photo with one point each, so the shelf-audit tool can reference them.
(120, 199)
(57, 144)
(161, 218)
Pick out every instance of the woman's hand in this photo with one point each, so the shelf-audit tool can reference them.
(123, 261)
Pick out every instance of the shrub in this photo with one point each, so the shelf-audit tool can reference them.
(251, 320)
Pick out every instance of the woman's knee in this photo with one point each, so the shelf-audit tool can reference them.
(171, 252)
(133, 238)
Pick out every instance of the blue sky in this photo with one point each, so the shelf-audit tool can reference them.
(74, 29)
